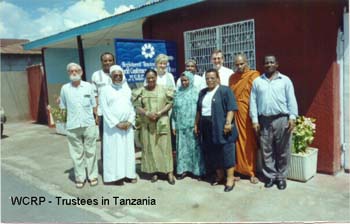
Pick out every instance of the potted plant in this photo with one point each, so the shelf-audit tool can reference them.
(60, 118)
(303, 162)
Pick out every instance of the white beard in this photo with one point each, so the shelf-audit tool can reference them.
(75, 78)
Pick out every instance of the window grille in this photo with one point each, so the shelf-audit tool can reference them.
(232, 38)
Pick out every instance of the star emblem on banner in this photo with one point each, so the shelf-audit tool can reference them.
(147, 50)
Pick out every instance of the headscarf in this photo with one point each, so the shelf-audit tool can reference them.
(123, 85)
(185, 104)
(190, 77)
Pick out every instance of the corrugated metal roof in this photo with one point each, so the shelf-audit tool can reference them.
(6, 42)
(14, 46)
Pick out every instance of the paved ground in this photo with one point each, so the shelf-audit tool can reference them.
(14, 186)
(39, 158)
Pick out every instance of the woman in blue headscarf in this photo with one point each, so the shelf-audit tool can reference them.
(188, 155)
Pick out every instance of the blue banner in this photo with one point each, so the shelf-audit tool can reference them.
(135, 56)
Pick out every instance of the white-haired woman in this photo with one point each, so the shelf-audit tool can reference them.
(118, 136)
(164, 77)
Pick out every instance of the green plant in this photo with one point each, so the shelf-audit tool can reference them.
(58, 114)
(303, 134)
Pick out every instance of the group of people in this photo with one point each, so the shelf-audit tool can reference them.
(219, 120)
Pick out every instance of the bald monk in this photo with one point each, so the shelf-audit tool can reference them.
(240, 83)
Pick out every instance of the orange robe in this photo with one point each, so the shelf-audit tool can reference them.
(246, 145)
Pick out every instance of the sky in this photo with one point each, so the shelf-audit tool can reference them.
(35, 19)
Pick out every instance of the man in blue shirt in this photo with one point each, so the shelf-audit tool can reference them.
(273, 110)
(78, 98)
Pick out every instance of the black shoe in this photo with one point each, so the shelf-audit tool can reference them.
(229, 188)
(281, 184)
(269, 183)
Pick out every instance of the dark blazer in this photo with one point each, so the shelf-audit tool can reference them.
(223, 102)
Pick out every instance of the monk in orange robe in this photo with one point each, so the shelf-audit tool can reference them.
(241, 83)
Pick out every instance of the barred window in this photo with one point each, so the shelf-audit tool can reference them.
(232, 38)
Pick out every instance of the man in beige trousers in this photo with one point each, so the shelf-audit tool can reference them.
(78, 98)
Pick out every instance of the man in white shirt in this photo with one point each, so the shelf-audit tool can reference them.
(99, 79)
(77, 97)
(217, 59)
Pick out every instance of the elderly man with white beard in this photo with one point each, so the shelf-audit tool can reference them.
(78, 98)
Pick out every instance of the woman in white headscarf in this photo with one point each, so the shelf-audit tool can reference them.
(118, 135)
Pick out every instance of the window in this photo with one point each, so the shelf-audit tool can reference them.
(232, 38)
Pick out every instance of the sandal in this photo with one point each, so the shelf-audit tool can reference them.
(154, 178)
(254, 180)
(79, 184)
(182, 176)
(131, 180)
(200, 178)
(93, 182)
(217, 181)
(171, 179)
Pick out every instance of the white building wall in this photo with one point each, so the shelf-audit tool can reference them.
(346, 94)
(92, 58)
